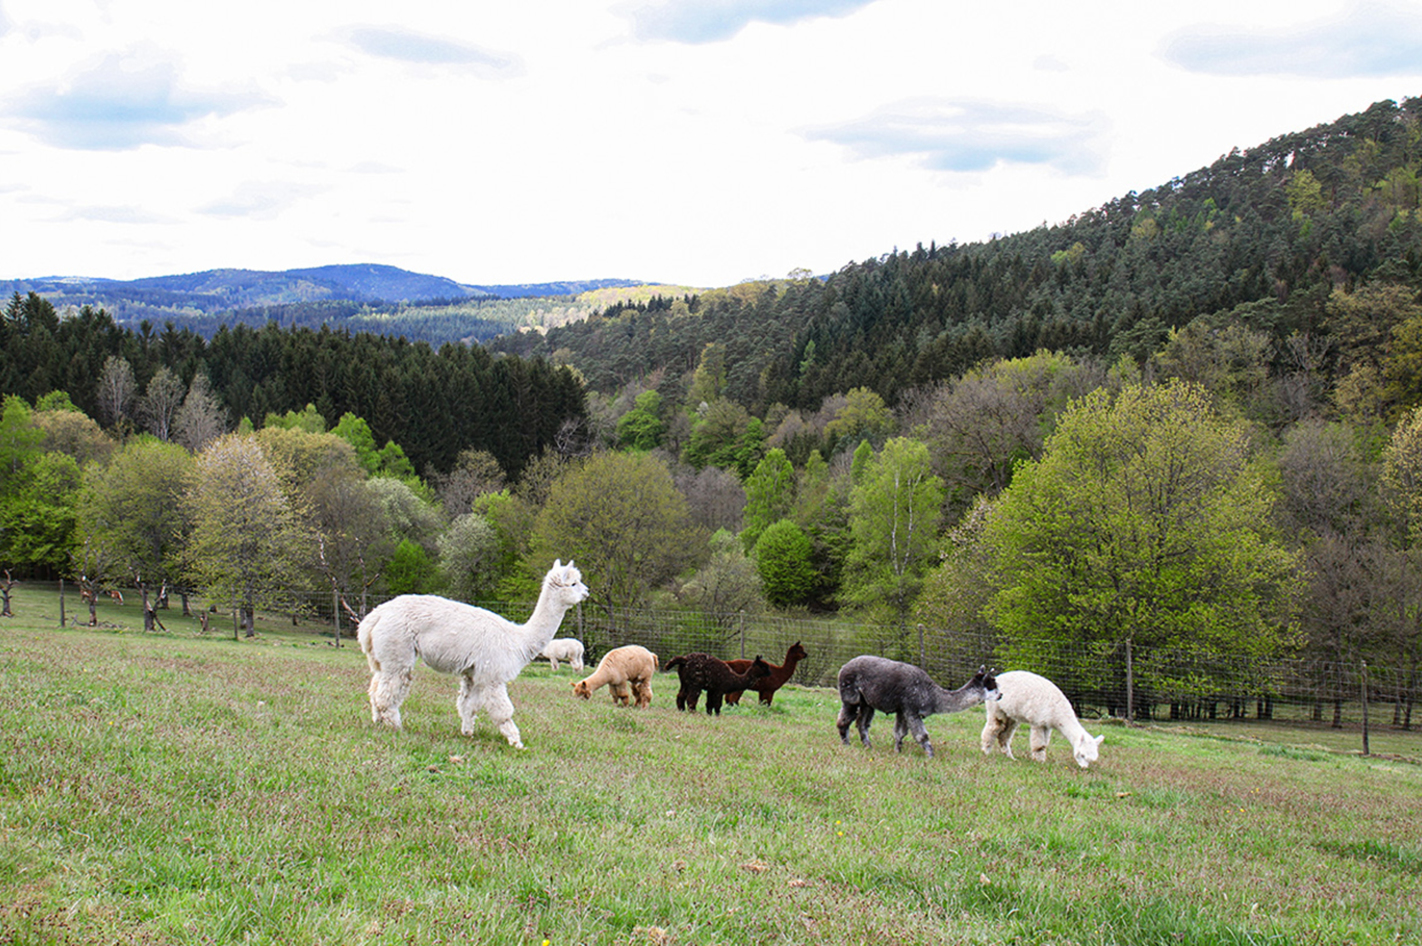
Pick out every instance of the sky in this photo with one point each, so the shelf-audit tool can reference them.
(693, 143)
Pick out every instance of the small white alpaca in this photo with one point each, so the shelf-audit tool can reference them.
(627, 672)
(483, 649)
(567, 649)
(1033, 699)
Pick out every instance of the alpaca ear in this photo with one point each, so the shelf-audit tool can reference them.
(557, 563)
(1100, 739)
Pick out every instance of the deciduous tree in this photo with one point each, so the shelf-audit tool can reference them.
(1147, 520)
(620, 517)
(895, 510)
(247, 542)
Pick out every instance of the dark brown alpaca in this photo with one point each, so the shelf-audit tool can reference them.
(699, 672)
(779, 676)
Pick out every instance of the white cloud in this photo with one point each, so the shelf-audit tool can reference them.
(264, 200)
(1368, 39)
(973, 135)
(710, 21)
(124, 100)
(408, 46)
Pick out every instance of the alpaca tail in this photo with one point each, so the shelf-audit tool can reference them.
(365, 634)
(674, 662)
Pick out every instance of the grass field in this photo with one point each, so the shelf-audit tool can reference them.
(172, 788)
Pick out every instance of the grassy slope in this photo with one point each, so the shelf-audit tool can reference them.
(175, 789)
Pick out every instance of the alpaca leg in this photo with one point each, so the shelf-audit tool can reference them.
(681, 698)
(501, 710)
(846, 719)
(997, 733)
(865, 717)
(471, 697)
(1041, 735)
(991, 727)
(713, 702)
(642, 691)
(387, 692)
(900, 730)
(372, 690)
(1004, 738)
(553, 663)
(920, 732)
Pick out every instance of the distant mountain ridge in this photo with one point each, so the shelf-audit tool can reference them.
(222, 290)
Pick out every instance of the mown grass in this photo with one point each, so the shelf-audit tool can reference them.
(178, 789)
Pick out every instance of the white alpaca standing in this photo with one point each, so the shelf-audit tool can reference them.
(567, 649)
(483, 649)
(1033, 699)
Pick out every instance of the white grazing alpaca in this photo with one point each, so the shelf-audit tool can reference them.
(483, 649)
(1033, 699)
(567, 649)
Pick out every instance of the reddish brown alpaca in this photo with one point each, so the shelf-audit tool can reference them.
(767, 686)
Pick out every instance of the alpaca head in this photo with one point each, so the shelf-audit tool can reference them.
(987, 680)
(582, 690)
(796, 652)
(1087, 749)
(567, 582)
(758, 669)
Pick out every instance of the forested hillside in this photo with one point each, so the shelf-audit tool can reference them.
(433, 403)
(1261, 238)
(385, 300)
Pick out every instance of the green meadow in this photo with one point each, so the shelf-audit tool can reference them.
(179, 788)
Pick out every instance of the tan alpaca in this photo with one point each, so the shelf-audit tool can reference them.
(1033, 699)
(627, 672)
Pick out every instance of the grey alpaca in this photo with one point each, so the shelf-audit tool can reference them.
(870, 683)
(699, 672)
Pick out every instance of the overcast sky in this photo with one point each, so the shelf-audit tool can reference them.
(700, 143)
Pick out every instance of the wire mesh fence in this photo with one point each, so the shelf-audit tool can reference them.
(1101, 680)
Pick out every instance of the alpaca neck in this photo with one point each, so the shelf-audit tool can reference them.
(951, 701)
(543, 623)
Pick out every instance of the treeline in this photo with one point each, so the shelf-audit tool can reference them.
(433, 403)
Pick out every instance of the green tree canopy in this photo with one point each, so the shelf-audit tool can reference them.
(134, 507)
(783, 558)
(770, 495)
(248, 542)
(620, 517)
(895, 510)
(1146, 520)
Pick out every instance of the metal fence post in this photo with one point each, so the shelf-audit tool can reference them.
(742, 622)
(1365, 708)
(922, 655)
(1130, 685)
